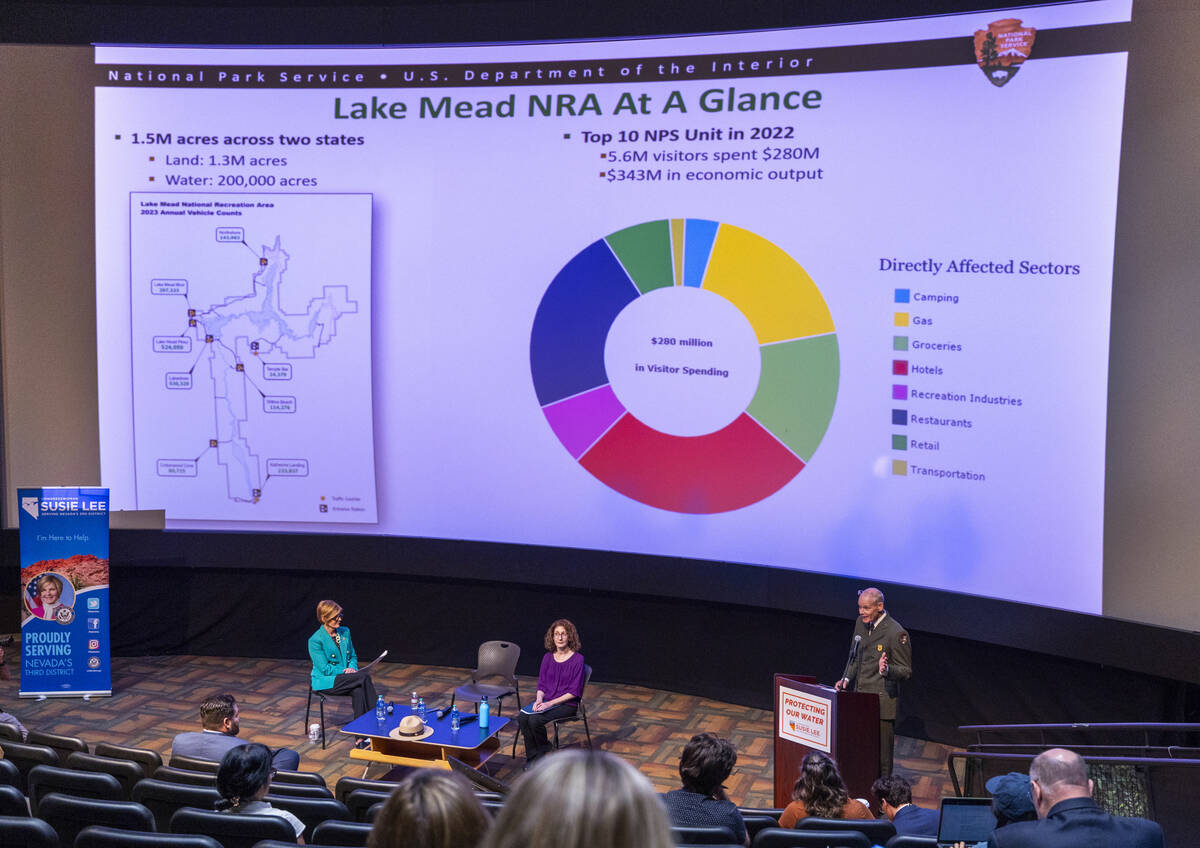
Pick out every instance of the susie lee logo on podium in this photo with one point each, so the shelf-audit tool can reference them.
(804, 718)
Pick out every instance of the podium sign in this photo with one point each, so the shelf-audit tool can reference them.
(811, 717)
(64, 592)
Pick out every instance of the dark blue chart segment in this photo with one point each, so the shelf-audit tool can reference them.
(566, 350)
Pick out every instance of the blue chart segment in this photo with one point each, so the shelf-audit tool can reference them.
(703, 396)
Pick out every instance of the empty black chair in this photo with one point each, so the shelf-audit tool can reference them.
(24, 832)
(781, 837)
(194, 763)
(126, 772)
(311, 811)
(300, 790)
(702, 835)
(756, 822)
(879, 831)
(352, 834)
(302, 778)
(43, 780)
(11, 731)
(346, 785)
(68, 815)
(373, 812)
(360, 801)
(144, 757)
(187, 776)
(64, 746)
(10, 775)
(912, 842)
(163, 798)
(111, 837)
(25, 757)
(232, 831)
(12, 802)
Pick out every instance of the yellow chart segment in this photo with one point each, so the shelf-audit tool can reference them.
(774, 293)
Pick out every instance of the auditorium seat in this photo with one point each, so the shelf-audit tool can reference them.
(311, 811)
(300, 790)
(25, 757)
(43, 780)
(360, 801)
(232, 831)
(346, 785)
(163, 798)
(25, 832)
(64, 746)
(375, 810)
(185, 776)
(194, 763)
(126, 772)
(879, 831)
(112, 837)
(756, 822)
(12, 802)
(11, 731)
(68, 815)
(702, 835)
(10, 775)
(780, 837)
(144, 757)
(304, 778)
(352, 834)
(912, 842)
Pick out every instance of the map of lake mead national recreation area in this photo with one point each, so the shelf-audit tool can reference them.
(251, 337)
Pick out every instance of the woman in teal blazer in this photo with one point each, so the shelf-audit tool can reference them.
(335, 665)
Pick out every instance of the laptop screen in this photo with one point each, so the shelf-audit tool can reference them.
(968, 820)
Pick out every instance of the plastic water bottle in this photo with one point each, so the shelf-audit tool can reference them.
(380, 709)
(414, 701)
(483, 713)
(421, 709)
(454, 720)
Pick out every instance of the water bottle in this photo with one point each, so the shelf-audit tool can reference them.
(380, 709)
(414, 701)
(483, 713)
(454, 720)
(421, 709)
(314, 732)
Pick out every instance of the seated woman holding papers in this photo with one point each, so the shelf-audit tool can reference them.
(335, 665)
(560, 686)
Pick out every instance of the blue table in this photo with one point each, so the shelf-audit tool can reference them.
(472, 744)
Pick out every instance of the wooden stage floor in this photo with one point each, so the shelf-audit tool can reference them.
(156, 697)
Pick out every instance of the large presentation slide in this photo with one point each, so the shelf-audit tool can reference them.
(833, 299)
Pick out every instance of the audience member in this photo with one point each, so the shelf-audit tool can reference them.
(706, 762)
(1012, 798)
(581, 799)
(220, 720)
(820, 791)
(430, 809)
(560, 686)
(1067, 815)
(894, 795)
(244, 779)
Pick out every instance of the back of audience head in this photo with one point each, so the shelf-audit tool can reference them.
(215, 709)
(1056, 775)
(820, 786)
(430, 809)
(894, 791)
(582, 799)
(1012, 798)
(244, 775)
(706, 762)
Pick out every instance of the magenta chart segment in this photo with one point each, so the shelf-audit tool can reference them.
(687, 364)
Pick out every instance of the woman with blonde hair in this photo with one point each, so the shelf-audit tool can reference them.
(430, 809)
(334, 663)
(582, 799)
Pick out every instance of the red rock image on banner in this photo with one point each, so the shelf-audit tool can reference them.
(1002, 48)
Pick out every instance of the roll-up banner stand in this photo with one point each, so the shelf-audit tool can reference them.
(64, 592)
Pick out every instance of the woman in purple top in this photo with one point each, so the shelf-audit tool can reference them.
(560, 686)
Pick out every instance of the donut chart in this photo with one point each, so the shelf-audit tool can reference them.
(688, 364)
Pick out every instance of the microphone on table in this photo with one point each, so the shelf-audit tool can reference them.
(854, 648)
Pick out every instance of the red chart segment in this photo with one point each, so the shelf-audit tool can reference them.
(717, 472)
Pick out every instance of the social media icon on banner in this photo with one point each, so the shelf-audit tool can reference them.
(94, 624)
(93, 603)
(93, 644)
(93, 662)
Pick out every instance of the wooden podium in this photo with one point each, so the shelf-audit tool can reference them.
(811, 717)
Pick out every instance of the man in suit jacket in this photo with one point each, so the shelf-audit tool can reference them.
(1067, 815)
(883, 658)
(219, 718)
(895, 801)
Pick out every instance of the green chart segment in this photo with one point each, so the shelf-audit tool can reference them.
(738, 464)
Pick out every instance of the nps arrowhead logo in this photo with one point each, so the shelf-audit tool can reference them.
(1001, 49)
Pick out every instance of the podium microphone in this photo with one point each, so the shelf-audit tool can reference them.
(854, 648)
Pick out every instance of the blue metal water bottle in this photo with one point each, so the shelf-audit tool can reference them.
(483, 713)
